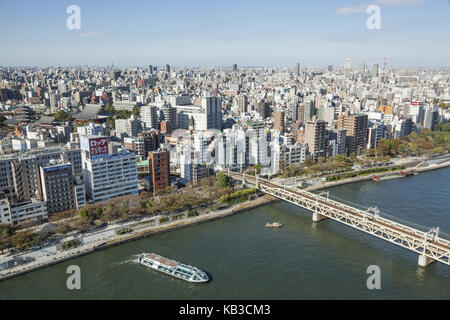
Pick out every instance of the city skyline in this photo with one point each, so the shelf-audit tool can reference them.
(209, 34)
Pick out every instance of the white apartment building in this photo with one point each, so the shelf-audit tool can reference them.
(149, 117)
(91, 130)
(18, 213)
(127, 127)
(107, 175)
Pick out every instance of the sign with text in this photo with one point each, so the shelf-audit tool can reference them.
(97, 147)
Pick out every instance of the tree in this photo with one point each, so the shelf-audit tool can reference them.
(309, 162)
(223, 180)
(63, 116)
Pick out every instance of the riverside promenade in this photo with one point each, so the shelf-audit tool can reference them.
(99, 240)
(425, 165)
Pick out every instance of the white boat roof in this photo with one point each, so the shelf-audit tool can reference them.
(161, 259)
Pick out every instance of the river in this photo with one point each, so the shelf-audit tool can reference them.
(302, 260)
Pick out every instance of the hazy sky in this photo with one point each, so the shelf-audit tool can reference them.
(211, 32)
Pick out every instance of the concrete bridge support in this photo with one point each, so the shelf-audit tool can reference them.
(318, 217)
(425, 261)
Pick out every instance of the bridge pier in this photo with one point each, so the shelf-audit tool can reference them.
(425, 261)
(318, 217)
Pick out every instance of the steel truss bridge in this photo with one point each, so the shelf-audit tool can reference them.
(428, 245)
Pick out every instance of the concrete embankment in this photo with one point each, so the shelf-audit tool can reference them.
(146, 232)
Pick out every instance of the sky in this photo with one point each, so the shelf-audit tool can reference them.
(413, 33)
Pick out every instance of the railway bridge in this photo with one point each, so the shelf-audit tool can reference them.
(428, 245)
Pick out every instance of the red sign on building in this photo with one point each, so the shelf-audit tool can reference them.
(98, 147)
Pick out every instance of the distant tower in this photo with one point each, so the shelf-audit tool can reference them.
(375, 70)
(362, 67)
(234, 67)
(384, 70)
(297, 69)
(347, 66)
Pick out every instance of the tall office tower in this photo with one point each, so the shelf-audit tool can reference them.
(347, 66)
(362, 67)
(431, 117)
(170, 116)
(159, 170)
(150, 69)
(212, 107)
(234, 67)
(57, 186)
(357, 132)
(167, 68)
(242, 103)
(127, 127)
(375, 68)
(279, 120)
(297, 69)
(315, 135)
(149, 116)
(107, 174)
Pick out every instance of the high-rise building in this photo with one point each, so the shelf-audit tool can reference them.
(234, 67)
(127, 127)
(315, 135)
(135, 144)
(242, 101)
(375, 68)
(107, 174)
(309, 109)
(151, 141)
(431, 117)
(149, 116)
(159, 170)
(263, 109)
(57, 186)
(357, 132)
(301, 114)
(297, 69)
(347, 66)
(212, 107)
(362, 67)
(417, 111)
(170, 116)
(279, 120)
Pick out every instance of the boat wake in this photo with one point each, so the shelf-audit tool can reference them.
(131, 260)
